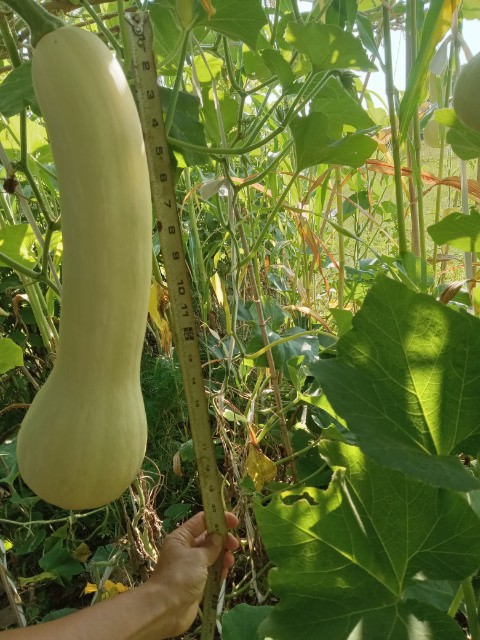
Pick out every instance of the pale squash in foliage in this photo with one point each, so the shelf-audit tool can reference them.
(466, 95)
(83, 439)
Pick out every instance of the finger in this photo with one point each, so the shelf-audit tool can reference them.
(196, 525)
(212, 547)
(231, 520)
(232, 542)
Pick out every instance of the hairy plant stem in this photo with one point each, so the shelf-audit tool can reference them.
(467, 256)
(402, 236)
(39, 20)
(192, 219)
(341, 240)
(252, 268)
(471, 606)
(443, 99)
(9, 42)
(102, 28)
(419, 223)
(410, 55)
(178, 82)
(127, 47)
(270, 219)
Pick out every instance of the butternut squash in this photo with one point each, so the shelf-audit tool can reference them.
(83, 439)
(466, 94)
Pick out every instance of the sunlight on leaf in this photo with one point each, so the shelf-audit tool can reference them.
(328, 46)
(344, 556)
(405, 380)
(460, 230)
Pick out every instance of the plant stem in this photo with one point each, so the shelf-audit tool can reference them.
(471, 606)
(402, 236)
(341, 240)
(270, 219)
(192, 218)
(410, 55)
(9, 42)
(178, 81)
(101, 27)
(39, 20)
(127, 47)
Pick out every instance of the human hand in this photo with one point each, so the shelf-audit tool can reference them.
(182, 569)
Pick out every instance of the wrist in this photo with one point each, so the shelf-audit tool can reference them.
(165, 609)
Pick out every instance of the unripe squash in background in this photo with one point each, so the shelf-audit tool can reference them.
(466, 94)
(83, 439)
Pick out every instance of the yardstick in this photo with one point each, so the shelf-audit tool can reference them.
(178, 282)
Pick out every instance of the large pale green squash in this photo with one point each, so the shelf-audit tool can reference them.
(83, 439)
(466, 94)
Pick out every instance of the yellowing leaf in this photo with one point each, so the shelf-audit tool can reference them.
(109, 589)
(259, 467)
(156, 308)
(90, 588)
(217, 285)
(82, 552)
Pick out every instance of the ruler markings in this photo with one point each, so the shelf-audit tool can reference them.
(178, 281)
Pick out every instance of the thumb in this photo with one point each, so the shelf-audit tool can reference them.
(213, 545)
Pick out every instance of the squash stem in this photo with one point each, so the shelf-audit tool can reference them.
(102, 28)
(39, 20)
(9, 42)
(402, 236)
(178, 81)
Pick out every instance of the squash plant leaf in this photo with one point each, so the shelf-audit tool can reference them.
(238, 20)
(16, 243)
(17, 92)
(241, 622)
(328, 46)
(277, 64)
(437, 23)
(460, 230)
(186, 124)
(11, 355)
(341, 108)
(406, 382)
(314, 146)
(465, 142)
(346, 556)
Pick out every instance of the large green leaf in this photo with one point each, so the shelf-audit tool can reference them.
(237, 20)
(241, 622)
(58, 561)
(17, 92)
(279, 66)
(11, 355)
(460, 230)
(437, 23)
(314, 146)
(345, 556)
(465, 142)
(166, 28)
(406, 382)
(328, 46)
(229, 110)
(16, 243)
(186, 123)
(340, 107)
